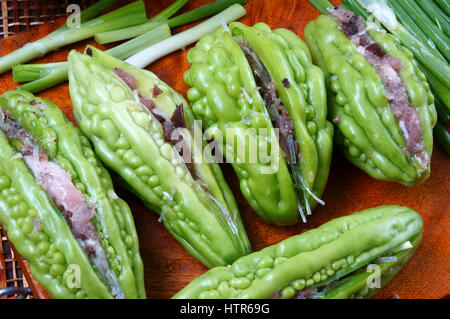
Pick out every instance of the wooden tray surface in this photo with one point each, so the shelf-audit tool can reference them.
(168, 268)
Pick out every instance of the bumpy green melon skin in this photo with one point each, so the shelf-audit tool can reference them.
(130, 140)
(53, 250)
(318, 257)
(224, 95)
(367, 132)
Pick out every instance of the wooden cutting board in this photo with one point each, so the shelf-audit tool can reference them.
(168, 268)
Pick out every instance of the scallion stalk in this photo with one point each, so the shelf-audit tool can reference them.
(134, 31)
(204, 11)
(44, 76)
(129, 15)
(185, 38)
(90, 12)
(353, 5)
(439, 90)
(31, 72)
(94, 10)
(171, 10)
(436, 14)
(133, 46)
(47, 77)
(442, 136)
(445, 5)
(185, 18)
(321, 5)
(411, 25)
(442, 111)
(428, 27)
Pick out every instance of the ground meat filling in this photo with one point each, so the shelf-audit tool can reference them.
(170, 125)
(278, 113)
(59, 186)
(388, 68)
(127, 78)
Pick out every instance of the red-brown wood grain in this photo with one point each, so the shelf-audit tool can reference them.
(168, 268)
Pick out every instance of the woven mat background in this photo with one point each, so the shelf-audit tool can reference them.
(11, 274)
(18, 16)
(22, 15)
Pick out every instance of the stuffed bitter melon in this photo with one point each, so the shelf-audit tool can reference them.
(245, 82)
(59, 207)
(379, 100)
(142, 130)
(348, 257)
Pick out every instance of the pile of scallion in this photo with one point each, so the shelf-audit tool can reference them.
(423, 27)
(150, 38)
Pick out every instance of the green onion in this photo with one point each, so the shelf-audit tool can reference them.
(445, 5)
(91, 12)
(183, 39)
(185, 18)
(321, 5)
(129, 15)
(443, 137)
(171, 10)
(32, 72)
(128, 33)
(203, 12)
(134, 31)
(439, 90)
(353, 5)
(133, 46)
(410, 23)
(442, 111)
(436, 14)
(44, 76)
(94, 10)
(427, 26)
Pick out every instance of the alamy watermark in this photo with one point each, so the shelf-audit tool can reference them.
(74, 19)
(73, 279)
(238, 144)
(374, 279)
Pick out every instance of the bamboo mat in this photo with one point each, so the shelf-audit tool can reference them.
(22, 15)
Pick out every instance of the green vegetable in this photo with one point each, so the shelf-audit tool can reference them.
(445, 5)
(225, 97)
(321, 5)
(134, 31)
(129, 15)
(183, 39)
(198, 209)
(368, 133)
(44, 76)
(443, 112)
(133, 46)
(204, 11)
(443, 137)
(431, 30)
(436, 14)
(94, 10)
(39, 230)
(199, 13)
(340, 259)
